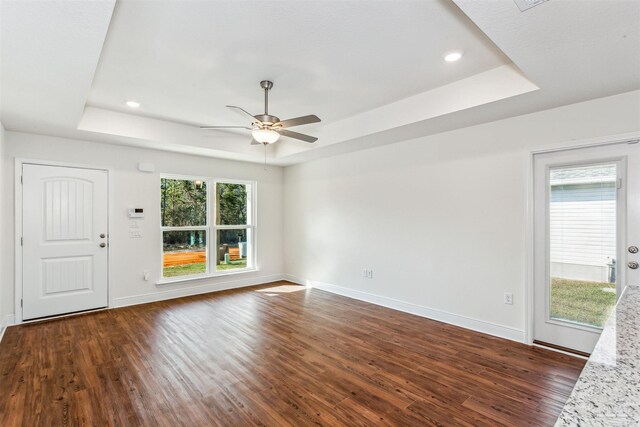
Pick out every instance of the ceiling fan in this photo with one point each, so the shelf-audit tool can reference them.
(265, 128)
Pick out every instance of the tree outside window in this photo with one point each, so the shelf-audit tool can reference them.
(185, 209)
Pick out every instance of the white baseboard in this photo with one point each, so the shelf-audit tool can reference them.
(293, 279)
(165, 295)
(193, 290)
(430, 313)
(7, 321)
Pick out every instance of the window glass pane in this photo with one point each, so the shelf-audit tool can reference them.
(234, 249)
(183, 203)
(231, 200)
(184, 253)
(582, 230)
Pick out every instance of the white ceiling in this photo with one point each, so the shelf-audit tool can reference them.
(374, 74)
(48, 57)
(335, 59)
(576, 49)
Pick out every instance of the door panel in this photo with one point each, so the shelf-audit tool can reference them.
(65, 257)
(632, 276)
(586, 213)
(67, 203)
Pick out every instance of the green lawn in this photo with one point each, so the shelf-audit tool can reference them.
(201, 267)
(240, 263)
(185, 270)
(582, 302)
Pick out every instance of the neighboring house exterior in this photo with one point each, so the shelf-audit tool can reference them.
(583, 222)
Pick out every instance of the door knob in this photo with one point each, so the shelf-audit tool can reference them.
(633, 249)
(102, 245)
(633, 265)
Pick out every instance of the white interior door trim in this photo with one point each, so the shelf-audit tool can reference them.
(18, 163)
(530, 217)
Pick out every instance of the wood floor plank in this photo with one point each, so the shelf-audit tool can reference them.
(272, 355)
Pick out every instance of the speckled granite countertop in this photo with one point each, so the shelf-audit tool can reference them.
(608, 390)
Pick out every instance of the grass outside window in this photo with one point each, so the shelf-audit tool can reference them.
(199, 268)
(584, 302)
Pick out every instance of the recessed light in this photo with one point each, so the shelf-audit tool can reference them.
(133, 104)
(452, 56)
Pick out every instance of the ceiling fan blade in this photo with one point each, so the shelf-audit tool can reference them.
(297, 135)
(304, 120)
(254, 142)
(225, 127)
(245, 114)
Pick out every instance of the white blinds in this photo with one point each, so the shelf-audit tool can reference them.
(582, 221)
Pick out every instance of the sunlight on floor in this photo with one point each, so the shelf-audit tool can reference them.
(283, 289)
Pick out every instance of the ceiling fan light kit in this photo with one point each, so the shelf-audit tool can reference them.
(267, 129)
(265, 136)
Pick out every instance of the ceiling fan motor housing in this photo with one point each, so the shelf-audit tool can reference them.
(267, 119)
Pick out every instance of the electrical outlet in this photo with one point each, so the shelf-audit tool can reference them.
(508, 298)
(370, 274)
(367, 273)
(145, 275)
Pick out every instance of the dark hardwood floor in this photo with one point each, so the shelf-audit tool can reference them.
(273, 355)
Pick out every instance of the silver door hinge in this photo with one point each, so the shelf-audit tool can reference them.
(22, 241)
(619, 183)
(21, 179)
(21, 303)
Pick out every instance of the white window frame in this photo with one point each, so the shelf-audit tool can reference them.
(211, 229)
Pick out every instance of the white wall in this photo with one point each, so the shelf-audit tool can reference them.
(441, 220)
(131, 188)
(3, 235)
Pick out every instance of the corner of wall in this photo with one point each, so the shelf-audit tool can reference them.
(2, 230)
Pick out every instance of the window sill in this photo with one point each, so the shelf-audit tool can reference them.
(174, 280)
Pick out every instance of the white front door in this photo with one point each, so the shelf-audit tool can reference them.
(587, 221)
(65, 257)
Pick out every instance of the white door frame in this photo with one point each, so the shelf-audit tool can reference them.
(530, 238)
(19, 162)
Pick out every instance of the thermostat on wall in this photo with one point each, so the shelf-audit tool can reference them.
(136, 213)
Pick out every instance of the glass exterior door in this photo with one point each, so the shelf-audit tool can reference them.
(586, 215)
